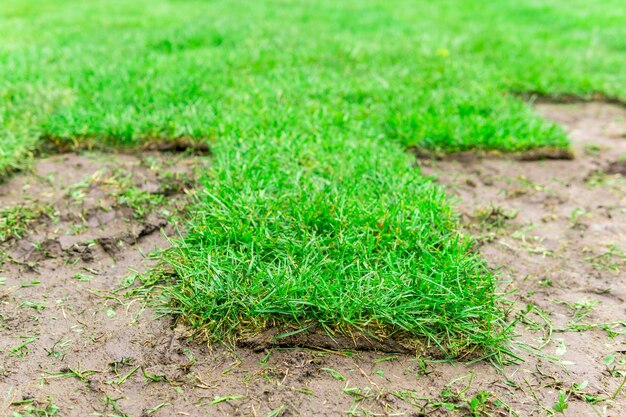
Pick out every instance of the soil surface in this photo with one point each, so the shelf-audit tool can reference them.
(72, 344)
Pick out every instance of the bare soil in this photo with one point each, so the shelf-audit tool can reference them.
(71, 343)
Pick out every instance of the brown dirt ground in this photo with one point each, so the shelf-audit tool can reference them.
(68, 341)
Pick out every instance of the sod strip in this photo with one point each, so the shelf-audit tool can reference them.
(344, 233)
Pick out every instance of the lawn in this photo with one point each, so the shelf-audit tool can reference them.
(312, 212)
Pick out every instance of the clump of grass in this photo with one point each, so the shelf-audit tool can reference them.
(140, 201)
(32, 407)
(120, 184)
(494, 217)
(14, 220)
(612, 259)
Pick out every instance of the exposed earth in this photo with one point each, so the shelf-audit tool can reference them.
(74, 342)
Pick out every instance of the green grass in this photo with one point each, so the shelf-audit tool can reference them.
(342, 233)
(431, 75)
(15, 220)
(311, 212)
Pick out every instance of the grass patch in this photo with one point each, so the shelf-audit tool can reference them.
(15, 220)
(140, 201)
(345, 234)
(311, 212)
